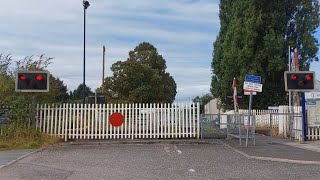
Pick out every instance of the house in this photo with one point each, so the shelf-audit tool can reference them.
(212, 107)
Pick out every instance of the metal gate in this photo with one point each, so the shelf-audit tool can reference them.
(211, 126)
(242, 127)
(228, 126)
(291, 126)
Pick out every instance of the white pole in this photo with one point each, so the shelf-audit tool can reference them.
(235, 98)
(289, 68)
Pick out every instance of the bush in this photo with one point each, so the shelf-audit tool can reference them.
(21, 132)
(15, 137)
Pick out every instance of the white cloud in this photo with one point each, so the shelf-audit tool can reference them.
(182, 32)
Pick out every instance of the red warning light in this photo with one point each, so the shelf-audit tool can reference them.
(22, 77)
(309, 78)
(294, 77)
(38, 77)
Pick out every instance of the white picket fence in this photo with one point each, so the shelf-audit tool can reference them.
(75, 121)
(313, 132)
(263, 118)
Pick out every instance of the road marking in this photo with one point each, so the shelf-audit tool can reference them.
(167, 149)
(236, 150)
(177, 150)
(192, 170)
(273, 159)
(19, 158)
(310, 148)
(286, 160)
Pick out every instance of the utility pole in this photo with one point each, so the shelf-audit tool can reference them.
(103, 61)
(296, 97)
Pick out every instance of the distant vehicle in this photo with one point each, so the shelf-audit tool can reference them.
(3, 119)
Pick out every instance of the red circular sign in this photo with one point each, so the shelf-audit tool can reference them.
(116, 119)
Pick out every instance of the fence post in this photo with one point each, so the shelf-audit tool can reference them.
(281, 119)
(198, 120)
(66, 123)
(270, 128)
(56, 120)
(108, 128)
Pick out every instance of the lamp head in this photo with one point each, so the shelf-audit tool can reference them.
(86, 4)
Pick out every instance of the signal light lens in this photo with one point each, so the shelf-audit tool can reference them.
(38, 77)
(294, 77)
(22, 77)
(309, 78)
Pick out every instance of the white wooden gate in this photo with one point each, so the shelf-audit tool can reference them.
(75, 121)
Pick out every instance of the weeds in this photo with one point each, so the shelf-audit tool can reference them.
(16, 137)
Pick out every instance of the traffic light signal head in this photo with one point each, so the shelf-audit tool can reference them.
(32, 81)
(299, 80)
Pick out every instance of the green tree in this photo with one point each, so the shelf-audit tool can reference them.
(141, 78)
(22, 104)
(301, 28)
(6, 89)
(6, 79)
(203, 100)
(254, 38)
(57, 90)
(77, 93)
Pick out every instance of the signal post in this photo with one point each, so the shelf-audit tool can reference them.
(300, 81)
(32, 81)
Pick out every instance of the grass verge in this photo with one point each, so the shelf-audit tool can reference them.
(14, 137)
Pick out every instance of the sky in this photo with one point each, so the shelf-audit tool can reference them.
(183, 31)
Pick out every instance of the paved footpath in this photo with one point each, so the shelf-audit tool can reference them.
(164, 160)
(309, 145)
(278, 150)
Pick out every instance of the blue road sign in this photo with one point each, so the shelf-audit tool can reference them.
(311, 102)
(253, 78)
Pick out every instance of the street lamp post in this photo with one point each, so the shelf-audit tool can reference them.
(86, 4)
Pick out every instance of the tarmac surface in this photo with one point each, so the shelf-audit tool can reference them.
(279, 149)
(8, 157)
(166, 159)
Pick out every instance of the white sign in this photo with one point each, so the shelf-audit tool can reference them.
(312, 95)
(247, 92)
(313, 115)
(252, 86)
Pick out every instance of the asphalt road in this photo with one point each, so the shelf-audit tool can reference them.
(150, 161)
(9, 156)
